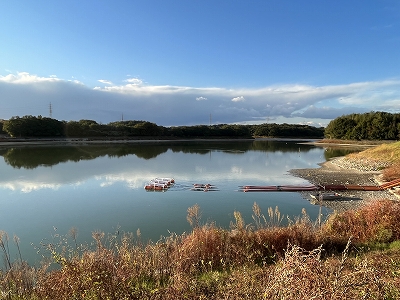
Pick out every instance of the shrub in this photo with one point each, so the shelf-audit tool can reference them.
(374, 223)
(391, 173)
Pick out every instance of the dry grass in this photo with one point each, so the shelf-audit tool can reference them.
(379, 222)
(392, 172)
(354, 142)
(264, 260)
(386, 152)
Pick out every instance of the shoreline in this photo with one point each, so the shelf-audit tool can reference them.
(94, 141)
(7, 142)
(339, 171)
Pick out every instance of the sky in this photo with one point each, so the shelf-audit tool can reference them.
(192, 62)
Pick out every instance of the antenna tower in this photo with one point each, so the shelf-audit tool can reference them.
(51, 111)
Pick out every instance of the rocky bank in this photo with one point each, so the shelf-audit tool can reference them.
(343, 170)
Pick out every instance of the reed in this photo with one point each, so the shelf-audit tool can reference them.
(263, 260)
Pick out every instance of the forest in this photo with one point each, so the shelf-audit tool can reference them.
(367, 126)
(31, 126)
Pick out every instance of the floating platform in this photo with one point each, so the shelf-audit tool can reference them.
(329, 187)
(159, 184)
(278, 188)
(201, 187)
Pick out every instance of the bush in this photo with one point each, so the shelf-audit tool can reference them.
(391, 173)
(378, 222)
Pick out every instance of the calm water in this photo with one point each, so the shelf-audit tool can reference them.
(45, 191)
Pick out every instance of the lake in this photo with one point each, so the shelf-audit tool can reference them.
(47, 190)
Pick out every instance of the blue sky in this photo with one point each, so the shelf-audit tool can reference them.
(180, 62)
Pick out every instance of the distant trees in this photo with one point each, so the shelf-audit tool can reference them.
(135, 128)
(367, 126)
(205, 131)
(90, 128)
(1, 127)
(30, 126)
(287, 130)
(85, 128)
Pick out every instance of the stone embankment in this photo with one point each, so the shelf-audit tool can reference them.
(346, 171)
(361, 165)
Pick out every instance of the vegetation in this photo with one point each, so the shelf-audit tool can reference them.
(392, 172)
(385, 154)
(389, 153)
(367, 126)
(370, 126)
(33, 127)
(368, 143)
(30, 126)
(1, 127)
(263, 260)
(90, 128)
(286, 130)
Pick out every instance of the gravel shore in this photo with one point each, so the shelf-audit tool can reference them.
(343, 170)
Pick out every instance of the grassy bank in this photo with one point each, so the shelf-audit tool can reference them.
(351, 255)
(354, 142)
(388, 154)
(385, 154)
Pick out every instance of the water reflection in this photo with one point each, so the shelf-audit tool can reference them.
(332, 152)
(247, 161)
(33, 157)
(101, 187)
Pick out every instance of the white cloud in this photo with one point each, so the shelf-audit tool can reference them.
(327, 112)
(134, 81)
(391, 105)
(23, 94)
(105, 81)
(201, 98)
(76, 82)
(25, 78)
(238, 99)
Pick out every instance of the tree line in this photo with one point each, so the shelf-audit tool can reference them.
(31, 126)
(366, 126)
